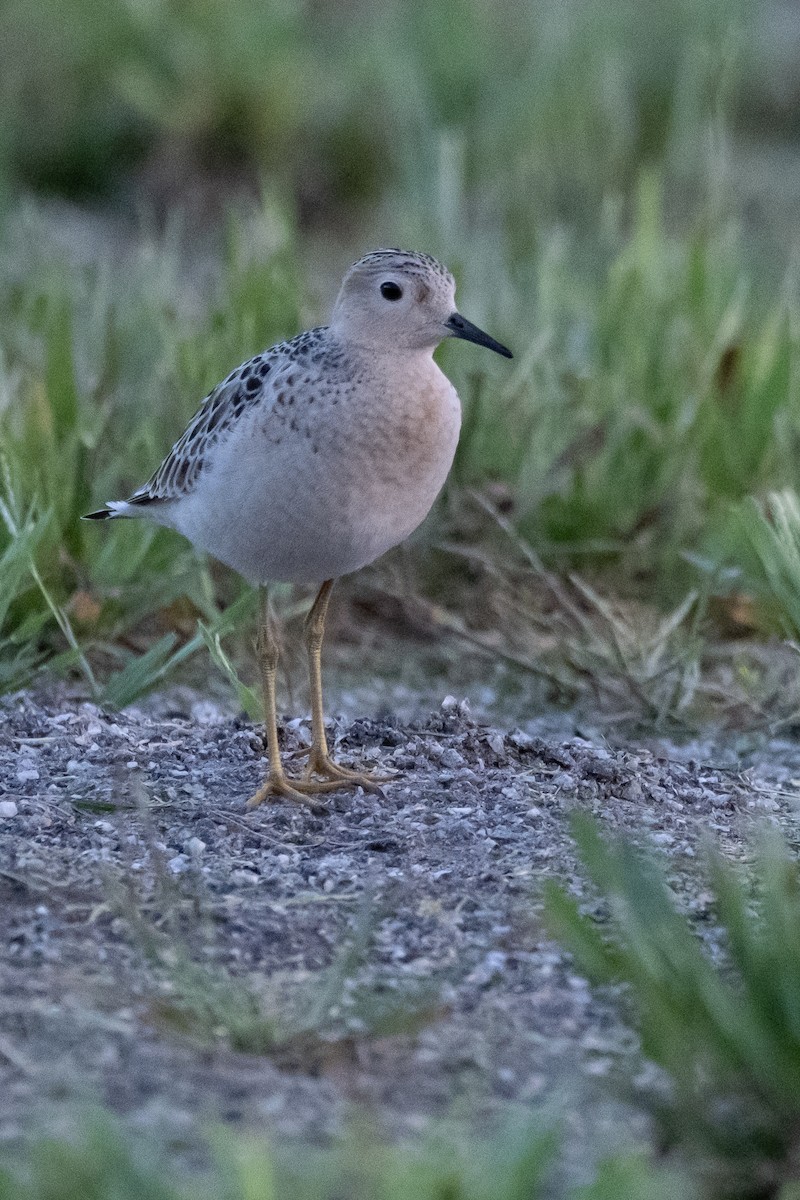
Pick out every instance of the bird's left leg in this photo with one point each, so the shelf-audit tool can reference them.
(320, 762)
(276, 786)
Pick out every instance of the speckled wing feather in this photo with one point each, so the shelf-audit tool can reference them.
(221, 409)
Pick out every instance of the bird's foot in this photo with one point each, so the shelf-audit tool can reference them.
(278, 786)
(321, 765)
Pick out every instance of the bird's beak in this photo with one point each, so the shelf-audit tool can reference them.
(460, 327)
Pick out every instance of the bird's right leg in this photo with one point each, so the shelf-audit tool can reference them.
(320, 762)
(276, 786)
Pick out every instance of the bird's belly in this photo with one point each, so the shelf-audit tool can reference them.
(327, 498)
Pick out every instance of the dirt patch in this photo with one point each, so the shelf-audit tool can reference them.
(118, 828)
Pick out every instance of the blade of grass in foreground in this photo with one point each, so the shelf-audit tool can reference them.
(26, 530)
(725, 1034)
(770, 530)
(102, 1159)
(146, 671)
(248, 699)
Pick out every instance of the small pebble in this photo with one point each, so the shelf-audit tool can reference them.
(492, 966)
(8, 808)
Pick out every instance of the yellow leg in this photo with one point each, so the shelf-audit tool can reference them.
(320, 762)
(276, 785)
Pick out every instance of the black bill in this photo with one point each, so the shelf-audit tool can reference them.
(460, 327)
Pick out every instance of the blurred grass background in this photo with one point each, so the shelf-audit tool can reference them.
(615, 187)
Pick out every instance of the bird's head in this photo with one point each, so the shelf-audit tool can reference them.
(399, 300)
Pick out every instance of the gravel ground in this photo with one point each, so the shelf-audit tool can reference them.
(120, 832)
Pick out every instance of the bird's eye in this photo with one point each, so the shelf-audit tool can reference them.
(391, 291)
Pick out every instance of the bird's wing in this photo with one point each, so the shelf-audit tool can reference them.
(254, 382)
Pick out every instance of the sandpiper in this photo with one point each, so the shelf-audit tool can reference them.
(317, 456)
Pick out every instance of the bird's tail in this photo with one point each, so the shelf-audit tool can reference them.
(114, 508)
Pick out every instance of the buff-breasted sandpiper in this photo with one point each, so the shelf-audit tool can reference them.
(317, 456)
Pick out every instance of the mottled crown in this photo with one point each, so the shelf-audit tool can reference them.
(408, 261)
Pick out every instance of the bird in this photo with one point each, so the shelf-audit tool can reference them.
(314, 458)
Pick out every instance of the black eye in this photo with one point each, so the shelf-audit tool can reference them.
(391, 291)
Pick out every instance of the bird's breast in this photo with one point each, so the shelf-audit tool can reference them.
(403, 439)
(329, 480)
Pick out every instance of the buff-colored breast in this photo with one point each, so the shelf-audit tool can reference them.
(320, 487)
